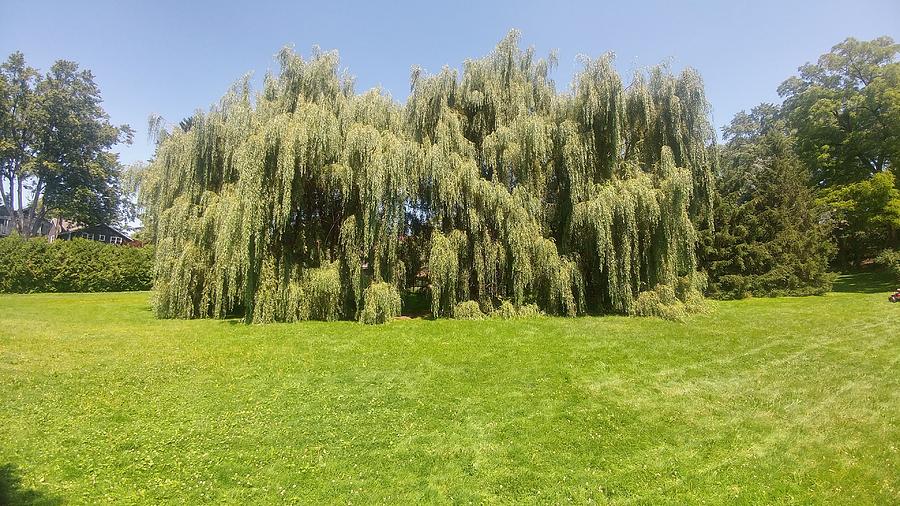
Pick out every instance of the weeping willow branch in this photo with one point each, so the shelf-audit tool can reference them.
(292, 203)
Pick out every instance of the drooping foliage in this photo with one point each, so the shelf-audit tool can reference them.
(468, 310)
(281, 206)
(381, 302)
(293, 202)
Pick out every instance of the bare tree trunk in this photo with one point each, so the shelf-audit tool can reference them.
(20, 215)
(38, 221)
(5, 199)
(35, 224)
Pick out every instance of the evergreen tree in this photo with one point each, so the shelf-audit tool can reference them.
(771, 238)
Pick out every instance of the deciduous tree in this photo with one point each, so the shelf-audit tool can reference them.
(55, 141)
(845, 110)
(307, 194)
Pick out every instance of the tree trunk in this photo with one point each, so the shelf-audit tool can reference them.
(37, 221)
(34, 225)
(20, 216)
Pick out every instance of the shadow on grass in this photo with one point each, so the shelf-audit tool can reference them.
(13, 493)
(865, 281)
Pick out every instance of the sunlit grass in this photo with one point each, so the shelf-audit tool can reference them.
(761, 400)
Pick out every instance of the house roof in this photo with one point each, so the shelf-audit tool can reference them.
(123, 234)
(114, 229)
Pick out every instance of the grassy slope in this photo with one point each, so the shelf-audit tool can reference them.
(785, 400)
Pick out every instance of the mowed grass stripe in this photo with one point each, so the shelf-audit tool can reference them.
(761, 400)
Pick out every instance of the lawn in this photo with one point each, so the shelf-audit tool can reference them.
(789, 400)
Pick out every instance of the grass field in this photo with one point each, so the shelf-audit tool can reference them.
(759, 401)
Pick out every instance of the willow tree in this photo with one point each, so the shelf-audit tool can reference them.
(577, 202)
(290, 203)
(272, 205)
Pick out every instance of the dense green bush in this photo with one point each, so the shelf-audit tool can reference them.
(675, 301)
(322, 286)
(72, 266)
(890, 259)
(468, 310)
(381, 302)
(528, 311)
(508, 311)
(660, 302)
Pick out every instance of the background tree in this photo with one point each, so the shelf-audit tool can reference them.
(55, 141)
(845, 110)
(844, 114)
(866, 217)
(770, 237)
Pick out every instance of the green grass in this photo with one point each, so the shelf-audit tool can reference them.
(759, 401)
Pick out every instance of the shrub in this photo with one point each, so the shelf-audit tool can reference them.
(468, 310)
(313, 294)
(689, 290)
(673, 302)
(656, 302)
(507, 311)
(529, 311)
(72, 266)
(322, 287)
(381, 302)
(890, 259)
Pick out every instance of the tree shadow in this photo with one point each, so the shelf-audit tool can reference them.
(416, 304)
(12, 492)
(866, 281)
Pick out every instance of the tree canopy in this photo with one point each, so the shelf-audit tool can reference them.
(299, 201)
(817, 170)
(771, 237)
(866, 216)
(55, 141)
(844, 115)
(845, 110)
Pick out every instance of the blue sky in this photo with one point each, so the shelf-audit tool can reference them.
(171, 58)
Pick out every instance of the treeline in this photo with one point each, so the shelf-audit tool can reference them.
(72, 266)
(497, 193)
(811, 183)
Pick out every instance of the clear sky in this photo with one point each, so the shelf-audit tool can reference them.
(171, 58)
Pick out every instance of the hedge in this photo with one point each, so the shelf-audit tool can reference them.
(78, 265)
